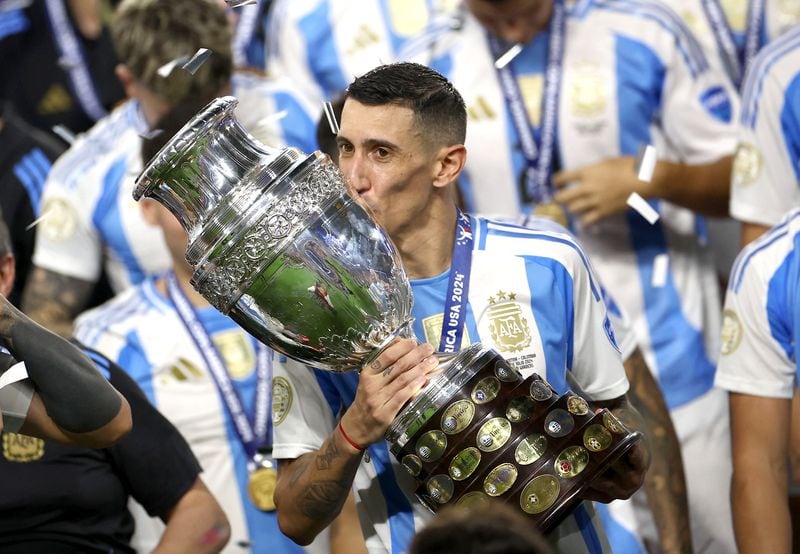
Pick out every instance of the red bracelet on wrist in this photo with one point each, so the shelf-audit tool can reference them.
(349, 440)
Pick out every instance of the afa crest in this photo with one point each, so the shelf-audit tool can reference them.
(508, 325)
(22, 448)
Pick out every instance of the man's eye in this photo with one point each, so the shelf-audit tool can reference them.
(382, 152)
(345, 148)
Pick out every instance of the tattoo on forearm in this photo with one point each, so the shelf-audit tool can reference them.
(299, 467)
(664, 482)
(320, 499)
(326, 458)
(53, 300)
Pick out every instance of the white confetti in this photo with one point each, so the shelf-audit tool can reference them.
(166, 69)
(506, 58)
(329, 113)
(151, 134)
(197, 60)
(16, 372)
(38, 220)
(239, 3)
(66, 63)
(65, 134)
(660, 268)
(640, 205)
(645, 163)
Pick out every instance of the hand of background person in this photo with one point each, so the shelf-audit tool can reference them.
(384, 387)
(623, 478)
(599, 190)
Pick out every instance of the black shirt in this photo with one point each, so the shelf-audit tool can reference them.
(55, 498)
(26, 155)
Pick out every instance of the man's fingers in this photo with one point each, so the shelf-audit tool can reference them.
(565, 177)
(390, 355)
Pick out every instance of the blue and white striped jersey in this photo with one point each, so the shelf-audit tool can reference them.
(766, 170)
(322, 45)
(761, 329)
(92, 214)
(632, 74)
(534, 298)
(141, 331)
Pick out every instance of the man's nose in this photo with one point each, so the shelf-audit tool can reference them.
(353, 170)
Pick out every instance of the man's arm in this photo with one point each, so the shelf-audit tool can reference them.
(312, 489)
(346, 534)
(602, 189)
(73, 403)
(195, 524)
(759, 433)
(664, 481)
(626, 475)
(54, 300)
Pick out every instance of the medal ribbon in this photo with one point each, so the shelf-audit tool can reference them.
(755, 17)
(255, 433)
(538, 157)
(724, 37)
(70, 49)
(455, 306)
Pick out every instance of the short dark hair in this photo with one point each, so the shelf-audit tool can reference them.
(437, 105)
(495, 528)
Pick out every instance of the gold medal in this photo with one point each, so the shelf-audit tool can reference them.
(553, 211)
(261, 488)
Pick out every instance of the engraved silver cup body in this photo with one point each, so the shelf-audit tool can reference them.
(278, 244)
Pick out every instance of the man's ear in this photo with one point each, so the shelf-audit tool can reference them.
(7, 274)
(449, 163)
(127, 79)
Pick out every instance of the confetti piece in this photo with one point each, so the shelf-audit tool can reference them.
(38, 220)
(640, 205)
(15, 373)
(506, 58)
(334, 125)
(66, 63)
(197, 60)
(151, 134)
(645, 163)
(166, 69)
(240, 3)
(65, 134)
(660, 267)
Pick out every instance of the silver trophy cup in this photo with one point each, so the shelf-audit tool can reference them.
(278, 244)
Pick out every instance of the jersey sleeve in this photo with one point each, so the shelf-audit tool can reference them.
(699, 106)
(154, 460)
(765, 180)
(67, 241)
(301, 413)
(596, 364)
(752, 361)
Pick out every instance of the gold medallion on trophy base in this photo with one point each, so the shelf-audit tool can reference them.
(552, 211)
(261, 488)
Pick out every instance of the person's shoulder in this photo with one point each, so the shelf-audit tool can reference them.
(765, 255)
(777, 61)
(96, 148)
(532, 236)
(136, 307)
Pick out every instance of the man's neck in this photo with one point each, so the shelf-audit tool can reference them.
(427, 248)
(182, 276)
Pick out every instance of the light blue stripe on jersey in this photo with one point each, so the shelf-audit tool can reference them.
(398, 508)
(12, 22)
(638, 68)
(754, 80)
(297, 128)
(621, 540)
(32, 171)
(132, 359)
(790, 122)
(107, 220)
(782, 301)
(667, 19)
(322, 56)
(588, 532)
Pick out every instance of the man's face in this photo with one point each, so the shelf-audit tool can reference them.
(512, 20)
(383, 155)
(174, 235)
